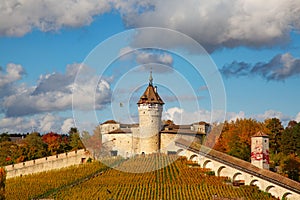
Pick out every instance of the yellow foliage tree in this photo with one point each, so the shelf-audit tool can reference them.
(2, 183)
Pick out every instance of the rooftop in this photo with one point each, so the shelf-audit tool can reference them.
(150, 95)
(260, 134)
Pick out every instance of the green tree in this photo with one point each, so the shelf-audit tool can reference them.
(4, 137)
(290, 141)
(275, 130)
(34, 147)
(239, 149)
(290, 166)
(75, 141)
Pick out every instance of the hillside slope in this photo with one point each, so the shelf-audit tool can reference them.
(179, 180)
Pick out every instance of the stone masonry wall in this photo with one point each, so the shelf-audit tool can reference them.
(47, 163)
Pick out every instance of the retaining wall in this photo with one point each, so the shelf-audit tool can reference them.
(47, 163)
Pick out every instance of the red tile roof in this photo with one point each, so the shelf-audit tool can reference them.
(110, 122)
(150, 96)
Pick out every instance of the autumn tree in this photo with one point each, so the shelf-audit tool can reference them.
(292, 123)
(2, 183)
(9, 152)
(34, 147)
(4, 137)
(235, 138)
(54, 142)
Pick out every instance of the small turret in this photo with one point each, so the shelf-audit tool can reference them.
(260, 150)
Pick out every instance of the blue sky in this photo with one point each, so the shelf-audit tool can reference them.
(254, 45)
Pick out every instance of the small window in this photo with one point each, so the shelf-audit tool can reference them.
(265, 141)
(113, 153)
(172, 152)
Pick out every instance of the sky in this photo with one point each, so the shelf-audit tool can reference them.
(79, 63)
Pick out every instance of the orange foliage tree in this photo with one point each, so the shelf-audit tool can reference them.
(2, 183)
(235, 138)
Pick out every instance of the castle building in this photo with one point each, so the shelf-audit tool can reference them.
(260, 150)
(151, 135)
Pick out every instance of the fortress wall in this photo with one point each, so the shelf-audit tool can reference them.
(47, 163)
(167, 142)
(122, 143)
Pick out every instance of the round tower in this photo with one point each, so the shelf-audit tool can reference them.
(260, 150)
(150, 107)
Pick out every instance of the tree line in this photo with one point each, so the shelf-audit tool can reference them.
(235, 140)
(34, 145)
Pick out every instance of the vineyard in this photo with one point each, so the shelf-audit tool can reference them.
(179, 180)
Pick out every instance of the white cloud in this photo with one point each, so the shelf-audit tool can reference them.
(213, 24)
(54, 92)
(159, 60)
(48, 122)
(232, 116)
(13, 73)
(68, 123)
(297, 118)
(216, 24)
(180, 116)
(18, 17)
(145, 57)
(272, 114)
(40, 123)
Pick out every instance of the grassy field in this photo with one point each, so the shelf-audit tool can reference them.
(179, 180)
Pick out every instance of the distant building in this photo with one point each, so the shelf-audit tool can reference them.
(150, 135)
(260, 150)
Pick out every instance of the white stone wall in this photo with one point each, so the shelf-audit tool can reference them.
(122, 143)
(106, 128)
(199, 128)
(47, 163)
(167, 141)
(234, 174)
(136, 143)
(149, 126)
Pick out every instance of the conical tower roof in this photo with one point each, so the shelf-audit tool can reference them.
(150, 95)
(260, 134)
